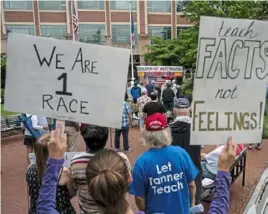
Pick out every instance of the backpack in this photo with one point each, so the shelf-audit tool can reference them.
(136, 92)
(27, 122)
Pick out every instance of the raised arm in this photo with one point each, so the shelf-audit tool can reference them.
(47, 195)
(220, 203)
(221, 200)
(56, 146)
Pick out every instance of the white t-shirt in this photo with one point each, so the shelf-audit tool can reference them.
(35, 124)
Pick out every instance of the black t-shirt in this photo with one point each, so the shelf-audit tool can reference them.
(153, 107)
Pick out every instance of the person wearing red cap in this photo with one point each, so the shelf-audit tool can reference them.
(163, 176)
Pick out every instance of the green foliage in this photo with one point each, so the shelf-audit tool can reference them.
(161, 52)
(187, 86)
(187, 47)
(183, 50)
(231, 9)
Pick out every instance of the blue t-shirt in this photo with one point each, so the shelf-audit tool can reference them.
(161, 176)
(150, 88)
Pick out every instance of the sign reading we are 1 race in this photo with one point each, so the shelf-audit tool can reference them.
(66, 80)
(230, 81)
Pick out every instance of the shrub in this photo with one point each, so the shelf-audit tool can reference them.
(187, 86)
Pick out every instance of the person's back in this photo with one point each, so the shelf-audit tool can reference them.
(158, 90)
(63, 199)
(181, 131)
(95, 138)
(78, 173)
(108, 178)
(34, 120)
(168, 95)
(136, 91)
(166, 175)
(150, 87)
(42, 121)
(153, 106)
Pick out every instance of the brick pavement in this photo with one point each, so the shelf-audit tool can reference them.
(14, 189)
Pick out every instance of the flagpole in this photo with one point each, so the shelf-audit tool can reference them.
(72, 11)
(131, 42)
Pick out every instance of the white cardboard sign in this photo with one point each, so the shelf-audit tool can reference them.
(66, 80)
(229, 86)
(67, 158)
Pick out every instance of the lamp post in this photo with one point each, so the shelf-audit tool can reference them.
(131, 43)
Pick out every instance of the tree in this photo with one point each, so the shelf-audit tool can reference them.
(231, 9)
(162, 52)
(183, 50)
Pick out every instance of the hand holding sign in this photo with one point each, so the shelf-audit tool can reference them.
(57, 144)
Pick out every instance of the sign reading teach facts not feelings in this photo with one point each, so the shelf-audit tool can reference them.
(230, 81)
(66, 80)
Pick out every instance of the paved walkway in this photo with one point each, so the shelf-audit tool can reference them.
(14, 166)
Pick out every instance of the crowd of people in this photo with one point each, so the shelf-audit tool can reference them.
(107, 175)
(167, 178)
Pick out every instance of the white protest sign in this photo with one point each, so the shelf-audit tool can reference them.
(66, 80)
(230, 79)
(67, 158)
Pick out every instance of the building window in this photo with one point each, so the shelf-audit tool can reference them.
(121, 34)
(123, 5)
(18, 5)
(52, 5)
(23, 29)
(181, 4)
(90, 5)
(92, 33)
(159, 31)
(181, 28)
(159, 6)
(54, 31)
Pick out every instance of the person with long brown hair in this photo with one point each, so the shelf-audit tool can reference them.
(108, 181)
(34, 177)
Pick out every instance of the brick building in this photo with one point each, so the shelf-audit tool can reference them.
(102, 22)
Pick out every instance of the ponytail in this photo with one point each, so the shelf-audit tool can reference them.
(107, 176)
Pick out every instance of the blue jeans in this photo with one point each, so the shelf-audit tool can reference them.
(141, 123)
(124, 131)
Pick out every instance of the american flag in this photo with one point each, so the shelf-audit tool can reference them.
(159, 80)
(75, 20)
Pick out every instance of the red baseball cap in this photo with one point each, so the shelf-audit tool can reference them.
(156, 122)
